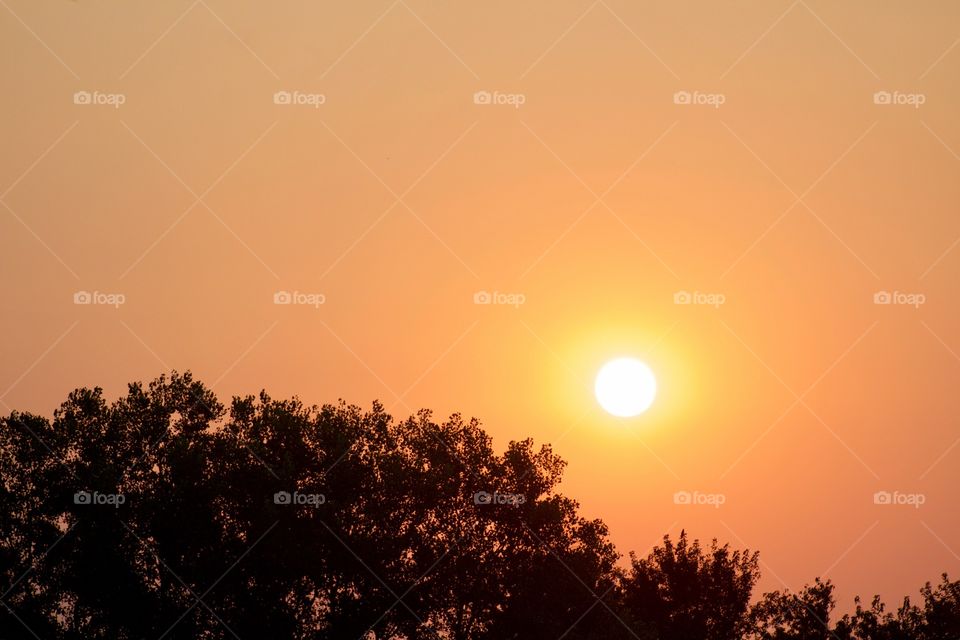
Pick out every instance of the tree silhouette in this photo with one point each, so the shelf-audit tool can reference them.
(166, 514)
(938, 619)
(684, 592)
(272, 519)
(805, 615)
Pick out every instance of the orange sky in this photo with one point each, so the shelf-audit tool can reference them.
(789, 189)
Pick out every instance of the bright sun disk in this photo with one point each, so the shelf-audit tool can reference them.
(625, 387)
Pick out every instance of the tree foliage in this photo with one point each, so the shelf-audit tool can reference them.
(166, 514)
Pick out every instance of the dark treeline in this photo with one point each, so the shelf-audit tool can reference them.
(168, 515)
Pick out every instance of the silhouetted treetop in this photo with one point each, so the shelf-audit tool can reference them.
(166, 514)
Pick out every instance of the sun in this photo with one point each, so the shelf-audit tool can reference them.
(625, 387)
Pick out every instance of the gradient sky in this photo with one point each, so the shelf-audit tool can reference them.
(597, 199)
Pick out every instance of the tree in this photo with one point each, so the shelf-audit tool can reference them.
(167, 514)
(781, 615)
(938, 619)
(681, 591)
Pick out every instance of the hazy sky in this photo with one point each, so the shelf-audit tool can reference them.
(147, 153)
